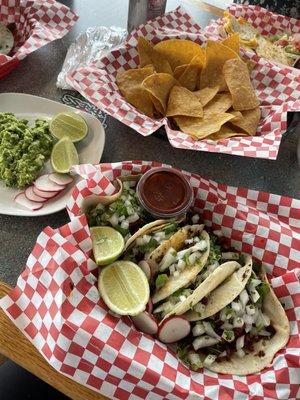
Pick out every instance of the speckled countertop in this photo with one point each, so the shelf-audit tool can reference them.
(35, 76)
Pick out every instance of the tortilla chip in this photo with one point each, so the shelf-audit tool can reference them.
(219, 104)
(179, 51)
(130, 85)
(238, 81)
(227, 131)
(190, 76)
(247, 120)
(148, 56)
(233, 42)
(183, 102)
(207, 94)
(159, 87)
(145, 50)
(180, 70)
(200, 128)
(215, 57)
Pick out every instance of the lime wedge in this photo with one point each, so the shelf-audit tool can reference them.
(124, 288)
(69, 125)
(64, 155)
(108, 244)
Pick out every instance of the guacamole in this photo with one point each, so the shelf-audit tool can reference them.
(23, 149)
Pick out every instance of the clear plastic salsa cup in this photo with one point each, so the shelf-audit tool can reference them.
(164, 192)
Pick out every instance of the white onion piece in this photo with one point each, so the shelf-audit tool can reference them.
(198, 329)
(168, 259)
(204, 341)
(244, 298)
(238, 322)
(229, 255)
(240, 342)
(209, 330)
(209, 360)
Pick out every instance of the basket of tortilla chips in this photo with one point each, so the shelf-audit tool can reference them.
(209, 292)
(206, 93)
(26, 26)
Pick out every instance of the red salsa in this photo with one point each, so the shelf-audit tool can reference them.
(164, 192)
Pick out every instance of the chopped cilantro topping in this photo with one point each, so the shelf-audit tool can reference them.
(161, 280)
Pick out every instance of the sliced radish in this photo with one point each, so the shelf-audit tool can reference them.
(149, 306)
(22, 200)
(145, 268)
(173, 329)
(45, 184)
(44, 195)
(146, 323)
(60, 179)
(29, 193)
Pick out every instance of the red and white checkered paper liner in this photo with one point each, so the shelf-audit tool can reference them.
(37, 23)
(56, 302)
(277, 87)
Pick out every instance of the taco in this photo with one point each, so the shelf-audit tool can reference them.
(210, 277)
(179, 260)
(243, 336)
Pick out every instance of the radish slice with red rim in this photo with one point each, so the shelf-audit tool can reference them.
(29, 193)
(149, 306)
(43, 194)
(146, 323)
(45, 184)
(173, 328)
(22, 200)
(60, 179)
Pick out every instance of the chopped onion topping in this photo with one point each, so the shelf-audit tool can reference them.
(194, 360)
(237, 307)
(209, 330)
(204, 341)
(195, 219)
(133, 218)
(168, 259)
(229, 255)
(244, 298)
(198, 329)
(125, 224)
(209, 359)
(238, 322)
(250, 309)
(240, 342)
(114, 220)
(227, 325)
(228, 335)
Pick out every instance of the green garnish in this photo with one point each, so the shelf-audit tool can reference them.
(186, 259)
(263, 289)
(151, 245)
(215, 253)
(24, 149)
(161, 280)
(171, 228)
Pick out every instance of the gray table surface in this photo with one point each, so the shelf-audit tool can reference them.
(37, 75)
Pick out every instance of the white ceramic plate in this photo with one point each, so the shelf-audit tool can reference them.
(89, 149)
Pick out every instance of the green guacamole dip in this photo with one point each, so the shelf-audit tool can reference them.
(23, 149)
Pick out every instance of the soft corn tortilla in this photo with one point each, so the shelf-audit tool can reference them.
(224, 294)
(206, 287)
(253, 362)
(188, 274)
